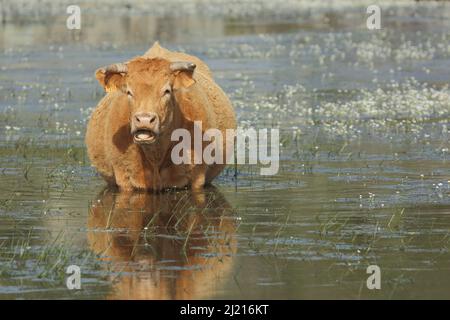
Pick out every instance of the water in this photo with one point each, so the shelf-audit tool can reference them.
(364, 179)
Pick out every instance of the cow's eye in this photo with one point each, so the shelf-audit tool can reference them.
(129, 93)
(167, 92)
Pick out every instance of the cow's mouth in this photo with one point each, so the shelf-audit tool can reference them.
(144, 136)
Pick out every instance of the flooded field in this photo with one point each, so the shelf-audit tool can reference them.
(364, 176)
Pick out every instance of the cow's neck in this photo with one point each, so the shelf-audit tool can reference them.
(156, 153)
(159, 153)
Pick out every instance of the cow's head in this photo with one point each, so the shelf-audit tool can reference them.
(150, 85)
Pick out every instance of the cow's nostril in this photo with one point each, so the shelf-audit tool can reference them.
(146, 119)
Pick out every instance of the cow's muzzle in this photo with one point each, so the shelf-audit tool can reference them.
(145, 128)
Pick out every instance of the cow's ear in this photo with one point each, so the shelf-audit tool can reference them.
(112, 78)
(110, 82)
(184, 74)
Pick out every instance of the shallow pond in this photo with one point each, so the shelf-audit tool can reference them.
(363, 179)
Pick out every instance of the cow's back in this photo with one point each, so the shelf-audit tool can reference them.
(156, 51)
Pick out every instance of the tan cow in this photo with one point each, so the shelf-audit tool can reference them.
(129, 134)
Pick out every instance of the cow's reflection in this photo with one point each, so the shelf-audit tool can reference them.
(176, 245)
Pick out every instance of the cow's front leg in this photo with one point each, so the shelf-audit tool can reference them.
(175, 176)
(146, 179)
(198, 177)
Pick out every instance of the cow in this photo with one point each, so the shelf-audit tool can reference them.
(129, 134)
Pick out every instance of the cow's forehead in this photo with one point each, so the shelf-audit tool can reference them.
(148, 79)
(148, 72)
(149, 65)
